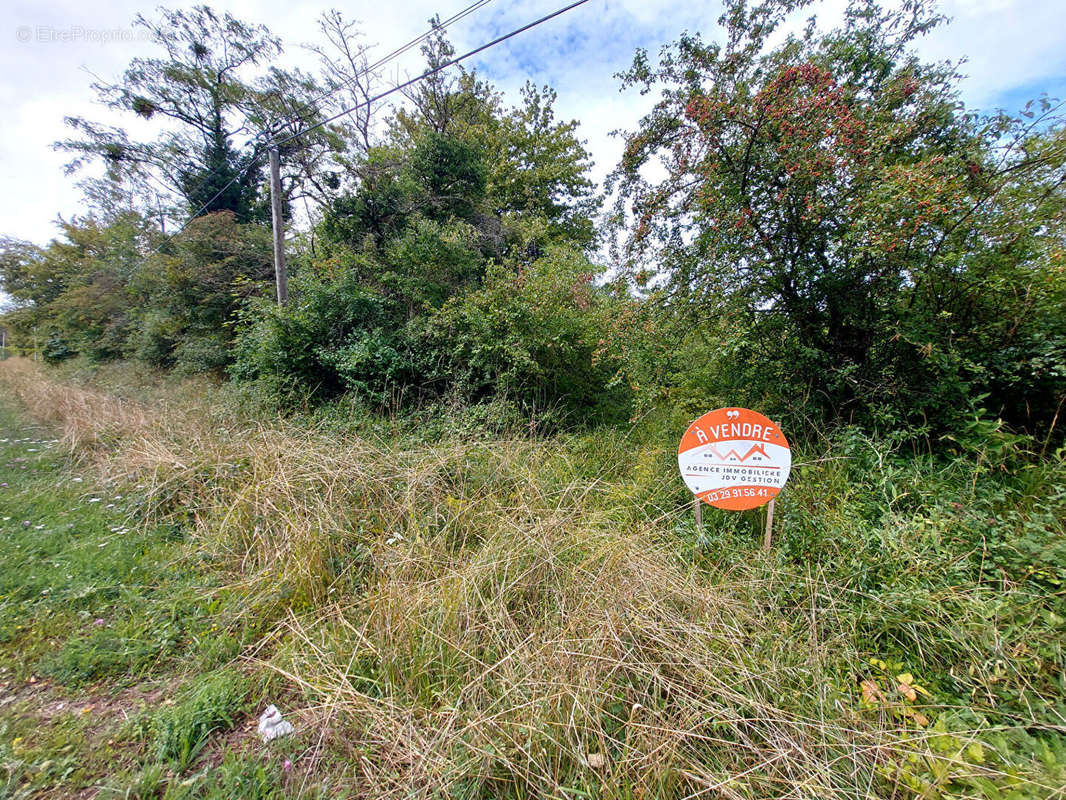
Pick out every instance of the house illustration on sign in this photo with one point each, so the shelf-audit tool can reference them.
(756, 453)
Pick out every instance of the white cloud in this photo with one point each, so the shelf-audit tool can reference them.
(1010, 45)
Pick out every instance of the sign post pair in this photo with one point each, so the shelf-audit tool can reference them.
(736, 459)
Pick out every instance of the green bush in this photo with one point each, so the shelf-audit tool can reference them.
(534, 336)
(209, 352)
(333, 336)
(429, 263)
(57, 349)
(155, 339)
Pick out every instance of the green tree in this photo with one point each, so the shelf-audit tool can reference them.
(221, 102)
(188, 295)
(460, 181)
(334, 336)
(201, 88)
(534, 164)
(74, 290)
(828, 203)
(538, 166)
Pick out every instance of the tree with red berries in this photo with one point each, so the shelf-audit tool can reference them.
(831, 220)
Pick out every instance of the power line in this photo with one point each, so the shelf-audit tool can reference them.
(431, 72)
(438, 27)
(478, 4)
(376, 98)
(399, 51)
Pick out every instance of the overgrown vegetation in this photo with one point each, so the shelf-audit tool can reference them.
(460, 203)
(831, 234)
(431, 505)
(866, 247)
(512, 616)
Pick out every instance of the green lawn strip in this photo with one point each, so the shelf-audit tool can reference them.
(85, 593)
(112, 641)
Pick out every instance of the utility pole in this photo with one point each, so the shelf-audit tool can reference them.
(278, 226)
(162, 217)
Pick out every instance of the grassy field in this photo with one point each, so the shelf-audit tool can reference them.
(444, 612)
(118, 647)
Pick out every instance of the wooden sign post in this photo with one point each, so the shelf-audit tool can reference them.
(769, 526)
(736, 459)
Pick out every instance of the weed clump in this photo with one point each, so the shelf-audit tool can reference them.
(209, 705)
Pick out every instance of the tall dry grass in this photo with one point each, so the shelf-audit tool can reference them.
(488, 619)
(87, 419)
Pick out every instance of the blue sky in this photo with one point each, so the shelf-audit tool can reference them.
(1016, 49)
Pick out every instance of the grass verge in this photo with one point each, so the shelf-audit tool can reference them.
(474, 616)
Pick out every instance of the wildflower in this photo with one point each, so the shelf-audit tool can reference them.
(98, 622)
(26, 523)
(287, 766)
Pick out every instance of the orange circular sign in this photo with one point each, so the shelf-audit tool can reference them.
(734, 458)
